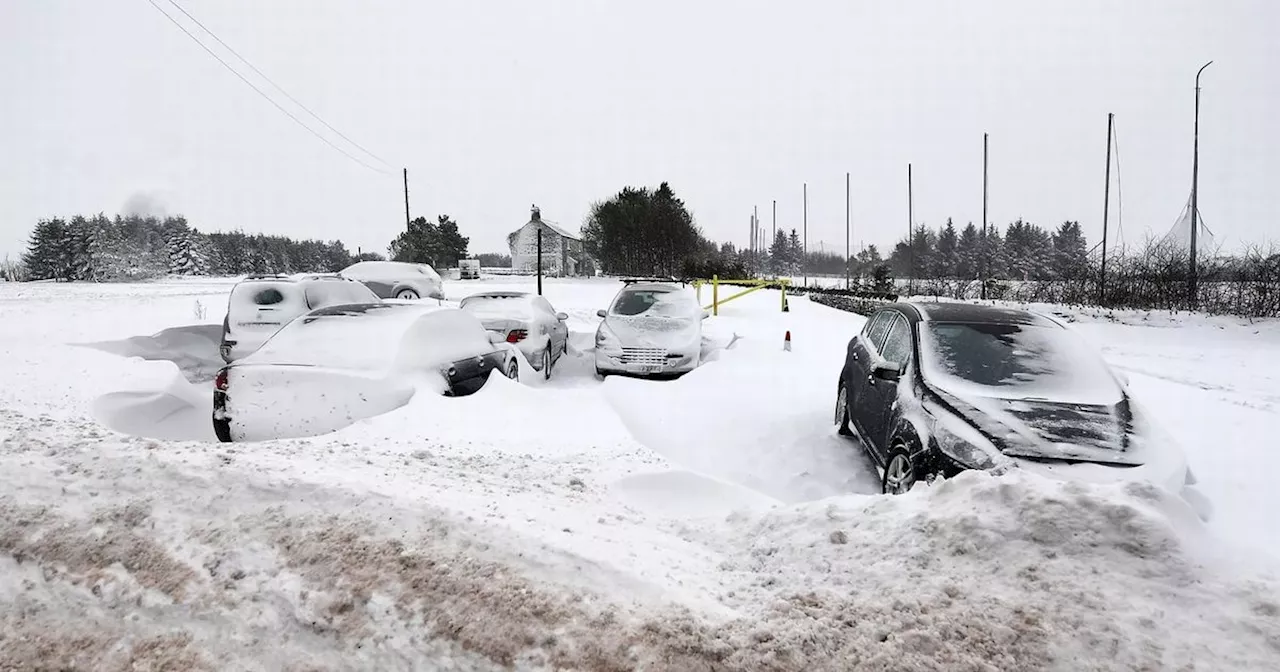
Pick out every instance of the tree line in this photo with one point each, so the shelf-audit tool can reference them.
(99, 248)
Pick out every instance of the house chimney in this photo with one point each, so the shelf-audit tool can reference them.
(537, 214)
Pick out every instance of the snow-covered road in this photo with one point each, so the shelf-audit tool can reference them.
(715, 522)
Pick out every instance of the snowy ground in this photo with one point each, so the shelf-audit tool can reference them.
(714, 522)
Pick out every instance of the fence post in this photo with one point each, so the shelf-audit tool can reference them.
(715, 295)
(784, 297)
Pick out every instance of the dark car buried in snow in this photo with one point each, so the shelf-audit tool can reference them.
(931, 389)
(337, 365)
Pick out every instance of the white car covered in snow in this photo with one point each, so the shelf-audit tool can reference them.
(334, 366)
(651, 329)
(260, 304)
(525, 320)
(932, 389)
(397, 279)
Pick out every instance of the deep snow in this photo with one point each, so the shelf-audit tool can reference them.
(711, 522)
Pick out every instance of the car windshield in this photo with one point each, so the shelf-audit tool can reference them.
(1010, 361)
(655, 302)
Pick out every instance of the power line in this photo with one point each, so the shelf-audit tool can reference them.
(263, 94)
(277, 86)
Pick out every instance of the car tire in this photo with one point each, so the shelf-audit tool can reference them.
(842, 411)
(546, 363)
(512, 369)
(900, 473)
(407, 295)
(222, 429)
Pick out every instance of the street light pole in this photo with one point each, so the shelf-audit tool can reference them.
(982, 246)
(1195, 189)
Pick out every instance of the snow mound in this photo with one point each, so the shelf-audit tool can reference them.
(757, 417)
(1015, 572)
(155, 415)
(194, 349)
(684, 494)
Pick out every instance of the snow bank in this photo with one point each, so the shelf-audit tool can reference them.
(1016, 572)
(194, 349)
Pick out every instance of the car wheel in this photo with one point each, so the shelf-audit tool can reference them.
(407, 295)
(222, 429)
(546, 363)
(842, 411)
(899, 472)
(513, 370)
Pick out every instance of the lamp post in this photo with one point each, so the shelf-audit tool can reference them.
(1195, 189)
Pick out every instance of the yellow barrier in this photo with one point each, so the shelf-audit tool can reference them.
(753, 285)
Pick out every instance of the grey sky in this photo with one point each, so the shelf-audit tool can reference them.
(494, 106)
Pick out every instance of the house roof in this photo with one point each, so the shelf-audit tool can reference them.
(554, 227)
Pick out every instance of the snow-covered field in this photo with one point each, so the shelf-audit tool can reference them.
(715, 522)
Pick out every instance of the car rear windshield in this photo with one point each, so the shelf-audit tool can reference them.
(656, 302)
(1015, 362)
(257, 295)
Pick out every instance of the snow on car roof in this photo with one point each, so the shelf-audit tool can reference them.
(954, 311)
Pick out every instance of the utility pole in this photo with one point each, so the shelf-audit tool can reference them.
(804, 257)
(982, 244)
(911, 251)
(847, 202)
(406, 199)
(537, 219)
(1106, 207)
(1195, 192)
(755, 237)
(774, 233)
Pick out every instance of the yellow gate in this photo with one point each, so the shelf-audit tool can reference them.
(751, 286)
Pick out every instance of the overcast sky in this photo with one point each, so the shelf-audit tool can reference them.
(494, 106)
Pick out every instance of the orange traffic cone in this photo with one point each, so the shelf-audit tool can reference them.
(786, 341)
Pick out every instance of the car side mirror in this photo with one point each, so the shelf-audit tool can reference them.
(887, 371)
(706, 314)
(495, 338)
(600, 313)
(562, 316)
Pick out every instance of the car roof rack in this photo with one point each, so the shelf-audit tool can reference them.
(669, 279)
(267, 276)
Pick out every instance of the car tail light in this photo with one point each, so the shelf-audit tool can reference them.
(220, 381)
(516, 335)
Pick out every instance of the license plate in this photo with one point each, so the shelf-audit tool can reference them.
(649, 368)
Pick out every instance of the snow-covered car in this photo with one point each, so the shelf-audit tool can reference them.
(652, 329)
(525, 320)
(932, 389)
(337, 365)
(261, 304)
(397, 279)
